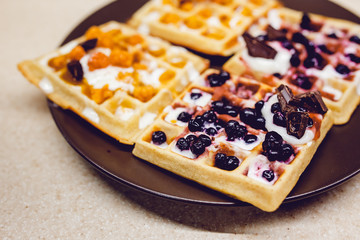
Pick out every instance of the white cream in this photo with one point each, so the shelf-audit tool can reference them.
(191, 71)
(202, 101)
(151, 78)
(46, 85)
(337, 93)
(147, 119)
(173, 114)
(124, 113)
(274, 19)
(328, 72)
(213, 21)
(90, 114)
(163, 145)
(185, 153)
(270, 126)
(256, 168)
(280, 64)
(234, 21)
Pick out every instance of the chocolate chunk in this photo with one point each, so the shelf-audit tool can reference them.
(75, 68)
(257, 48)
(308, 25)
(284, 96)
(297, 123)
(89, 44)
(311, 101)
(274, 34)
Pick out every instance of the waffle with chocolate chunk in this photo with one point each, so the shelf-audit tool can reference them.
(114, 77)
(238, 136)
(307, 52)
(207, 26)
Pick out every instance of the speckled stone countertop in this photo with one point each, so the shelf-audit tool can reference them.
(47, 191)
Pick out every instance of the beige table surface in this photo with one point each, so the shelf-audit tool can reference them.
(47, 191)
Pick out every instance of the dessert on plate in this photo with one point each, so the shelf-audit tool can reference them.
(238, 136)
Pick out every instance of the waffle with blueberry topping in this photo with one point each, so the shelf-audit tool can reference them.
(114, 77)
(307, 52)
(207, 26)
(238, 136)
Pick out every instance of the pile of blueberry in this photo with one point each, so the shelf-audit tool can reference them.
(218, 79)
(275, 149)
(193, 143)
(225, 162)
(253, 116)
(197, 124)
(279, 117)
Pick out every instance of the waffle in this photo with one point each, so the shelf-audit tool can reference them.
(328, 61)
(114, 77)
(231, 152)
(207, 26)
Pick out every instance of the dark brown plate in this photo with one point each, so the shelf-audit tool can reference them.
(336, 160)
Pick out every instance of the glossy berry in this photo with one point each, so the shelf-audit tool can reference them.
(219, 124)
(354, 58)
(272, 140)
(230, 110)
(75, 69)
(287, 44)
(247, 115)
(324, 49)
(274, 153)
(158, 137)
(286, 152)
(197, 147)
(303, 82)
(234, 130)
(355, 39)
(191, 138)
(211, 131)
(279, 119)
(278, 75)
(250, 138)
(184, 117)
(258, 106)
(300, 38)
(273, 136)
(205, 140)
(209, 116)
(295, 60)
(195, 125)
(275, 107)
(216, 80)
(218, 106)
(342, 69)
(182, 144)
(332, 35)
(195, 96)
(268, 175)
(224, 162)
(259, 123)
(89, 44)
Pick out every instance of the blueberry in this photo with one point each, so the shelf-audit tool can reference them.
(259, 123)
(220, 124)
(199, 119)
(272, 140)
(75, 69)
(197, 147)
(195, 96)
(273, 136)
(209, 116)
(305, 22)
(342, 69)
(310, 123)
(218, 106)
(158, 137)
(211, 131)
(195, 126)
(355, 39)
(89, 44)
(354, 58)
(277, 75)
(324, 49)
(274, 153)
(234, 130)
(224, 162)
(275, 107)
(279, 119)
(268, 175)
(216, 80)
(247, 115)
(250, 138)
(182, 144)
(287, 44)
(286, 152)
(303, 82)
(258, 106)
(191, 138)
(230, 110)
(300, 38)
(205, 140)
(184, 117)
(295, 60)
(310, 49)
(332, 35)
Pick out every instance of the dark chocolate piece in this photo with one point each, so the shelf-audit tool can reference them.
(284, 96)
(89, 44)
(257, 48)
(308, 25)
(297, 123)
(274, 34)
(75, 68)
(311, 101)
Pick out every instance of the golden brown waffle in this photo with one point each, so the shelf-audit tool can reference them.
(114, 77)
(208, 26)
(237, 162)
(332, 43)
